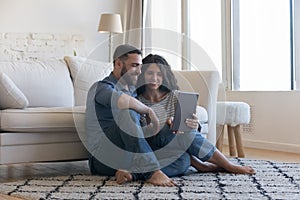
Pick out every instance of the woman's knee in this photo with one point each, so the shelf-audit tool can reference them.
(179, 166)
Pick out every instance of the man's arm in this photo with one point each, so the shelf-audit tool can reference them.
(127, 102)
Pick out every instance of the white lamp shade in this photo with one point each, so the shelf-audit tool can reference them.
(110, 23)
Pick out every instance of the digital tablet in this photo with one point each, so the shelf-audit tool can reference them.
(186, 106)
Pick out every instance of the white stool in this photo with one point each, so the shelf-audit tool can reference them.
(232, 115)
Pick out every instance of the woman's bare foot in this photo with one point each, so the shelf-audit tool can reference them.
(220, 160)
(158, 178)
(237, 169)
(123, 176)
(204, 166)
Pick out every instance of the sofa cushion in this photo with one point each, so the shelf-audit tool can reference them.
(44, 83)
(84, 73)
(39, 119)
(201, 113)
(11, 96)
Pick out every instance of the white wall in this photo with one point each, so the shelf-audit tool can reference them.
(59, 16)
(275, 119)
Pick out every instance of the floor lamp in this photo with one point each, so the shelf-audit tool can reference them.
(110, 23)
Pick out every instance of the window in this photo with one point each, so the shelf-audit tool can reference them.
(193, 29)
(162, 23)
(205, 29)
(262, 51)
(254, 44)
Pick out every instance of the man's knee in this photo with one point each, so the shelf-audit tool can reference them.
(129, 122)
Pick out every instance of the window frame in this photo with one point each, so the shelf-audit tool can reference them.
(296, 44)
(232, 79)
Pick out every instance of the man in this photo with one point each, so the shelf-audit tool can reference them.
(115, 138)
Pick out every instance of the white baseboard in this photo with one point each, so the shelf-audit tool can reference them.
(293, 148)
(257, 144)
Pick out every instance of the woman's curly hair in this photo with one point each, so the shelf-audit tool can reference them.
(169, 81)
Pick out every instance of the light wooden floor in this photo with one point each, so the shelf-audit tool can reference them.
(268, 155)
(21, 171)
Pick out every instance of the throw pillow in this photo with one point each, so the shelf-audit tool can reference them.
(11, 96)
(85, 72)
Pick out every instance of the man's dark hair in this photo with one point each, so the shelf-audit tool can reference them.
(124, 50)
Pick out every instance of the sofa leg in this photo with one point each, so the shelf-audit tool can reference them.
(231, 140)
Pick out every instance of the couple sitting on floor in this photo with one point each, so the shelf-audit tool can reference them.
(129, 115)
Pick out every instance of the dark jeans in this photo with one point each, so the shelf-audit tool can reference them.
(124, 147)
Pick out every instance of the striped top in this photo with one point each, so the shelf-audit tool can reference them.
(163, 109)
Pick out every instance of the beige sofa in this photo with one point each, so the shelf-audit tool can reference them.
(42, 106)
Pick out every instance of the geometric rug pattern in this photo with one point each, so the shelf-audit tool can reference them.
(273, 180)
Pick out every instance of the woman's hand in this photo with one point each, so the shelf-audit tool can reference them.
(170, 123)
(192, 123)
(154, 121)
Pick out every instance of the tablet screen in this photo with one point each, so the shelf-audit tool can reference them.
(186, 106)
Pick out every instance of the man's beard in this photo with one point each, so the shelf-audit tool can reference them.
(125, 75)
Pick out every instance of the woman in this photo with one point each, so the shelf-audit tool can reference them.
(157, 87)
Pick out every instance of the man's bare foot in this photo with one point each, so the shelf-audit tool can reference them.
(123, 176)
(241, 169)
(204, 166)
(158, 178)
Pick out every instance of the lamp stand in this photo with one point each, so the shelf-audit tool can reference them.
(110, 23)
(110, 47)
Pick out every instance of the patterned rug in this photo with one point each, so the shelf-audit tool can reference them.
(273, 180)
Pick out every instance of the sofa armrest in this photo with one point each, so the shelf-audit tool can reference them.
(206, 83)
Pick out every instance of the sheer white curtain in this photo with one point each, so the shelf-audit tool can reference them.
(132, 22)
(132, 18)
(162, 30)
(147, 24)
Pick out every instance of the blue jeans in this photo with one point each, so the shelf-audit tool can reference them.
(123, 146)
(168, 146)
